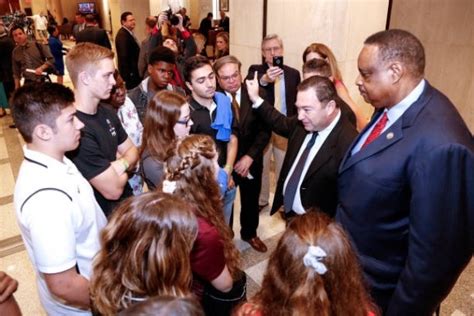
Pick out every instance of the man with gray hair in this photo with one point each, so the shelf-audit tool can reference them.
(253, 137)
(279, 82)
(406, 185)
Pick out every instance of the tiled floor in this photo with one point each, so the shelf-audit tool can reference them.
(14, 260)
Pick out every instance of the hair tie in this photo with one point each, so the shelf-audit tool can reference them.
(169, 186)
(314, 257)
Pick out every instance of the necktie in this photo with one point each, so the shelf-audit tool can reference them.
(277, 91)
(292, 184)
(378, 128)
(235, 107)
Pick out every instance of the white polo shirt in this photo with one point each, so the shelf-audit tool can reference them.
(60, 221)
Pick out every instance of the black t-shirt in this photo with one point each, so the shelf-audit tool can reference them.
(202, 125)
(100, 137)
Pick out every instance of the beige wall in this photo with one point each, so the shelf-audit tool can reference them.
(342, 25)
(446, 30)
(246, 31)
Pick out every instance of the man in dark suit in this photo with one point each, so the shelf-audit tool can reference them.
(318, 137)
(128, 51)
(206, 25)
(252, 139)
(224, 23)
(93, 34)
(406, 186)
(283, 98)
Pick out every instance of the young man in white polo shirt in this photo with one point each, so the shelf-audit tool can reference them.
(56, 210)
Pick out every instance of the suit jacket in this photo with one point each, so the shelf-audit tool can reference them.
(94, 34)
(127, 55)
(292, 80)
(407, 201)
(319, 186)
(7, 45)
(254, 134)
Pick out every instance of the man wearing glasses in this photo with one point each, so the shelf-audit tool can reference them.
(253, 138)
(279, 82)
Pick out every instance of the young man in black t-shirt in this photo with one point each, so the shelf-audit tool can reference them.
(105, 153)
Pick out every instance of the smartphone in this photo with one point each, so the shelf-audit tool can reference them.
(278, 61)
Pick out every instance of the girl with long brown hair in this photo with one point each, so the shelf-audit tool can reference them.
(191, 174)
(145, 251)
(166, 118)
(321, 51)
(222, 45)
(313, 271)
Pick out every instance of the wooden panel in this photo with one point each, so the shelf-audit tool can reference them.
(446, 30)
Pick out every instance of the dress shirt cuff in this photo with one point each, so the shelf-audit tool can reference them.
(257, 103)
(263, 83)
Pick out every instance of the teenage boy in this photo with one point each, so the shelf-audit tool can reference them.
(105, 153)
(57, 213)
(211, 113)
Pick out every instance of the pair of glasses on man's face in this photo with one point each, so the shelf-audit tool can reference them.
(184, 122)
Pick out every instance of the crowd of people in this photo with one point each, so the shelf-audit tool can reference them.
(125, 198)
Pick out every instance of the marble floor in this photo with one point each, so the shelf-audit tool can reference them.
(15, 261)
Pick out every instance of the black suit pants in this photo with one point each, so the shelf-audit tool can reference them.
(249, 193)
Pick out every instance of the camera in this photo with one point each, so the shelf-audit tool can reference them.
(173, 18)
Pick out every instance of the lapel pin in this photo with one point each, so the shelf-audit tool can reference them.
(390, 135)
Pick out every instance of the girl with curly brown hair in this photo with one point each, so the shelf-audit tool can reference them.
(145, 252)
(313, 271)
(191, 174)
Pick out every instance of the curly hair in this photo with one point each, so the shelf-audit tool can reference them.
(162, 113)
(291, 288)
(326, 53)
(145, 250)
(191, 163)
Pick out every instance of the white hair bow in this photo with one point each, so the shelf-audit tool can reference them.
(314, 257)
(169, 186)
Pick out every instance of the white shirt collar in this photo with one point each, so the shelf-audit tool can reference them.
(47, 161)
(398, 109)
(131, 32)
(330, 127)
(237, 94)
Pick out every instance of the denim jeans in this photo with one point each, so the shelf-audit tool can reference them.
(228, 200)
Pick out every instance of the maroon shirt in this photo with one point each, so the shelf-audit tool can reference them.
(207, 256)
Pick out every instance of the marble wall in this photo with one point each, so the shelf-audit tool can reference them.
(342, 25)
(446, 30)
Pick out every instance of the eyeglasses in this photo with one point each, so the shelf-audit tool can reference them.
(231, 77)
(185, 122)
(272, 49)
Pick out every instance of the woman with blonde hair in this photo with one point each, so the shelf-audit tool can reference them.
(321, 51)
(313, 271)
(191, 174)
(145, 251)
(167, 118)
(222, 45)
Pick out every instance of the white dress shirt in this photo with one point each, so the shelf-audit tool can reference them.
(322, 136)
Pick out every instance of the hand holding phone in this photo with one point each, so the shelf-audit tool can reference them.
(278, 61)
